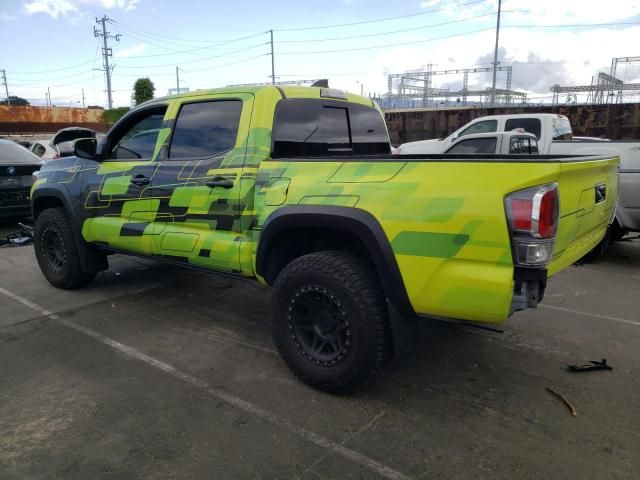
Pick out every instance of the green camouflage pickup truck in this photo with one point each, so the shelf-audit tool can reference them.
(296, 187)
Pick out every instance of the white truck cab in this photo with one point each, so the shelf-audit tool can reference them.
(517, 142)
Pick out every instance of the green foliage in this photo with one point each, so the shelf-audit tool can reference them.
(113, 115)
(15, 101)
(143, 90)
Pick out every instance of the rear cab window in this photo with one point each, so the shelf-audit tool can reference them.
(529, 125)
(475, 145)
(317, 127)
(523, 145)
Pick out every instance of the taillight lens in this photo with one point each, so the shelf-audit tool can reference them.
(533, 219)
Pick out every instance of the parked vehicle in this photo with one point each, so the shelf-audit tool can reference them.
(16, 170)
(503, 143)
(61, 144)
(555, 137)
(296, 186)
(42, 149)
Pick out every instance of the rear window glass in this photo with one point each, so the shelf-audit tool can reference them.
(205, 129)
(521, 145)
(475, 145)
(530, 125)
(561, 129)
(307, 127)
(12, 153)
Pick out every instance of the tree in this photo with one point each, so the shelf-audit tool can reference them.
(143, 90)
(15, 101)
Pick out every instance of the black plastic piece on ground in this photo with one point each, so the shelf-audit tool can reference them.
(592, 365)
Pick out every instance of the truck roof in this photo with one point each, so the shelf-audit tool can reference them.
(293, 91)
(521, 115)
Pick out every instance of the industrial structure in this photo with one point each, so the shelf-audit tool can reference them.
(606, 88)
(416, 89)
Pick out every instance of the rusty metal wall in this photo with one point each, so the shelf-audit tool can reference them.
(27, 119)
(617, 122)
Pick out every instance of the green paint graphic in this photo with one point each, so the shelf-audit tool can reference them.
(429, 244)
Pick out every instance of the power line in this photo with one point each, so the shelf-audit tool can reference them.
(424, 27)
(376, 20)
(211, 46)
(574, 25)
(54, 70)
(200, 59)
(152, 34)
(389, 45)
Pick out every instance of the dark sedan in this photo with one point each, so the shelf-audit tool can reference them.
(17, 165)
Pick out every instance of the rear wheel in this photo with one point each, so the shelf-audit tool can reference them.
(57, 252)
(330, 324)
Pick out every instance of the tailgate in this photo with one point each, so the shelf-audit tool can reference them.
(588, 189)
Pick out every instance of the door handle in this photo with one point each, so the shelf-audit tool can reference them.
(220, 182)
(140, 180)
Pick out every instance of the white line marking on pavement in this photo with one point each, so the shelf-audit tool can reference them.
(232, 400)
(595, 315)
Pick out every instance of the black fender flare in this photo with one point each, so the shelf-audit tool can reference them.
(357, 222)
(90, 259)
(59, 193)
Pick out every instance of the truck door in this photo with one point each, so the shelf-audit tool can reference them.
(197, 183)
(117, 208)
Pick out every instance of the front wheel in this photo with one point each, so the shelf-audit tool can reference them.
(57, 252)
(330, 320)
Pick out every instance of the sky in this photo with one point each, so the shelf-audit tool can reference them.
(354, 43)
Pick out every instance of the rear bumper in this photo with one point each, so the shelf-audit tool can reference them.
(14, 203)
(528, 288)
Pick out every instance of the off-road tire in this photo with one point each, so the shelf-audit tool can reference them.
(62, 270)
(353, 285)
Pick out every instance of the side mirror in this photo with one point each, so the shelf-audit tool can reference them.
(85, 148)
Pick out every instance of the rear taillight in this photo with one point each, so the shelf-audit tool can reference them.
(533, 219)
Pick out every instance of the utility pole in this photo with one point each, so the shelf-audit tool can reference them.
(83, 99)
(495, 56)
(49, 96)
(106, 52)
(273, 62)
(6, 87)
(177, 81)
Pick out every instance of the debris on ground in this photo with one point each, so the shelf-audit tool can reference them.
(19, 238)
(592, 365)
(563, 399)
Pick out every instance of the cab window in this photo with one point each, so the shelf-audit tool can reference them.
(205, 129)
(309, 127)
(485, 126)
(475, 145)
(529, 125)
(136, 138)
(523, 145)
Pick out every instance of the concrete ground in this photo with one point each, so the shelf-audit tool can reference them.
(157, 372)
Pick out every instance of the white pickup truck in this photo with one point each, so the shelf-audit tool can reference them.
(555, 137)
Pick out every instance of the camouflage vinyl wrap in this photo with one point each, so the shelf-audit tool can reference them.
(445, 221)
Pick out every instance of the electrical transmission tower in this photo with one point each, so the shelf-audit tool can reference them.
(106, 52)
(6, 87)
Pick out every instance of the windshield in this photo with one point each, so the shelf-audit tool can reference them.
(561, 129)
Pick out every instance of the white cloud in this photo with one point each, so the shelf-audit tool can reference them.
(56, 8)
(429, 3)
(132, 51)
(53, 8)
